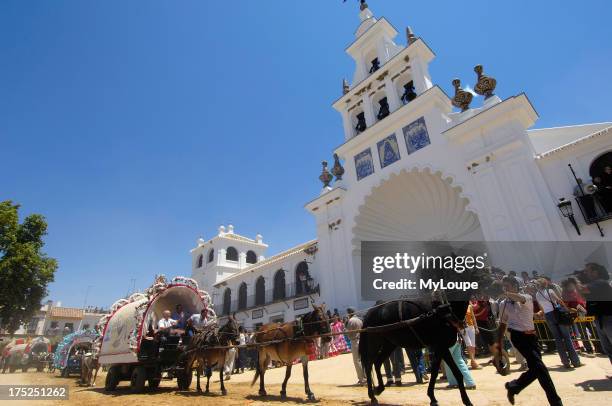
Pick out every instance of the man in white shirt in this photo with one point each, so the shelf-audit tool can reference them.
(516, 313)
(166, 323)
(354, 323)
(200, 321)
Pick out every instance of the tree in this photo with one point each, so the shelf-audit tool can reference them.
(25, 271)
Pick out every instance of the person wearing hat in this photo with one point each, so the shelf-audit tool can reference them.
(353, 325)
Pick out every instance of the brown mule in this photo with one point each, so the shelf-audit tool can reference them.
(289, 341)
(202, 358)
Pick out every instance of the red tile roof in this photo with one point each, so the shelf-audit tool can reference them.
(66, 313)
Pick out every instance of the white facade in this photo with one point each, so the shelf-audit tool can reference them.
(428, 172)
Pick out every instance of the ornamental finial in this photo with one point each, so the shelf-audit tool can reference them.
(410, 37)
(486, 84)
(345, 86)
(362, 6)
(325, 177)
(462, 98)
(337, 170)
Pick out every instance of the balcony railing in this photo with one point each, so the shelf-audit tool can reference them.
(269, 296)
(592, 209)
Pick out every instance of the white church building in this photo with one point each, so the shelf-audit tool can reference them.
(418, 165)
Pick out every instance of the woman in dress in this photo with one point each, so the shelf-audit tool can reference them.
(339, 342)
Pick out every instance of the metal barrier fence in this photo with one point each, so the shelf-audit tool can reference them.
(582, 331)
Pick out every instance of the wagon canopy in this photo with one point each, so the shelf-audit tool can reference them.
(64, 348)
(38, 345)
(131, 318)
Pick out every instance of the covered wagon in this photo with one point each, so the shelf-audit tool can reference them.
(70, 351)
(131, 344)
(24, 354)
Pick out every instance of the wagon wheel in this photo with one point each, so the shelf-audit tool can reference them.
(155, 380)
(139, 377)
(112, 378)
(184, 378)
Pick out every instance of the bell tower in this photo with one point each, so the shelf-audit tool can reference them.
(386, 76)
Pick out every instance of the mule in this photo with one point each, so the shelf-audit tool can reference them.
(89, 369)
(287, 342)
(204, 358)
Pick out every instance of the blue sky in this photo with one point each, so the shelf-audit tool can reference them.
(137, 126)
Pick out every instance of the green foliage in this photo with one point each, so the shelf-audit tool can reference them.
(25, 271)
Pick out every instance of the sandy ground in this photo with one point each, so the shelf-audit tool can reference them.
(332, 380)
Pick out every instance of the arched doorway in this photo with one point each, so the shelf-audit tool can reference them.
(260, 291)
(242, 296)
(601, 175)
(227, 301)
(278, 292)
(301, 278)
(412, 205)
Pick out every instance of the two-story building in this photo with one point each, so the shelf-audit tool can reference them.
(241, 280)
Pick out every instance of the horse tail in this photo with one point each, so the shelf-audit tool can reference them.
(257, 371)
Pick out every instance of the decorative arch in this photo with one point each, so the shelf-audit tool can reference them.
(251, 257)
(211, 255)
(301, 278)
(200, 260)
(227, 301)
(231, 254)
(279, 291)
(242, 296)
(430, 206)
(260, 291)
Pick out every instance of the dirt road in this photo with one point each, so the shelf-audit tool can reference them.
(332, 381)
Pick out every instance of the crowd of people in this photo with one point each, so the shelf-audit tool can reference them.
(491, 325)
(507, 322)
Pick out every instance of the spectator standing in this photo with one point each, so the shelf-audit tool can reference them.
(469, 336)
(549, 301)
(352, 326)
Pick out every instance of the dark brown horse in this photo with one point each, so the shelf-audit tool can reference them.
(202, 355)
(287, 342)
(432, 324)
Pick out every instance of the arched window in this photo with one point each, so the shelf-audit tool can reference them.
(242, 296)
(301, 278)
(200, 260)
(211, 255)
(231, 254)
(251, 257)
(260, 291)
(227, 301)
(601, 175)
(279, 285)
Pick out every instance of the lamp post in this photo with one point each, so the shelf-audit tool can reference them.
(565, 207)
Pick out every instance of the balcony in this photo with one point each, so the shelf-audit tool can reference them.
(267, 297)
(592, 209)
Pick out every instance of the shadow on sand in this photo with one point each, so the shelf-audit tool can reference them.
(278, 398)
(596, 385)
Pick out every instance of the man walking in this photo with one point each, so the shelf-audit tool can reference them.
(352, 326)
(516, 313)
